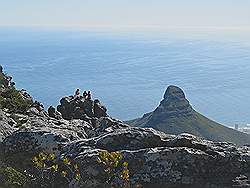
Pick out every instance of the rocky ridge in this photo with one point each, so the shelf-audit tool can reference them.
(155, 159)
(175, 115)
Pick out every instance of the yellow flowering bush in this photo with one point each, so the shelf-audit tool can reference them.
(51, 168)
(115, 168)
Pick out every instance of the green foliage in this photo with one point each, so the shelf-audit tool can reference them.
(2, 77)
(11, 178)
(115, 168)
(53, 170)
(14, 101)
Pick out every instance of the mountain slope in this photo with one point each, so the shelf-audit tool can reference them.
(175, 115)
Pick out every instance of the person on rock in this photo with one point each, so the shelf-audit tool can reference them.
(9, 78)
(85, 94)
(77, 94)
(89, 95)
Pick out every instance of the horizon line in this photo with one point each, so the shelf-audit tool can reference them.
(131, 27)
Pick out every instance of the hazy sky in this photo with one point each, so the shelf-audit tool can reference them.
(126, 13)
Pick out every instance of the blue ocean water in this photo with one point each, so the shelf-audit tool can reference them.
(129, 72)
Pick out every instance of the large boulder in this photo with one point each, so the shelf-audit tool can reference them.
(99, 109)
(38, 133)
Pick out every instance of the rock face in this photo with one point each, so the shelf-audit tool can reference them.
(160, 160)
(6, 126)
(175, 115)
(155, 159)
(174, 104)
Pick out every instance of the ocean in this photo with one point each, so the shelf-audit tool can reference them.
(129, 71)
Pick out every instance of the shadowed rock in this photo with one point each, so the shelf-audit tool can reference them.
(80, 108)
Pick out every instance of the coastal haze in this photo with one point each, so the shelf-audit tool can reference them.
(129, 71)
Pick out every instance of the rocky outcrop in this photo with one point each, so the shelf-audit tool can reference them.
(175, 115)
(79, 108)
(174, 104)
(36, 109)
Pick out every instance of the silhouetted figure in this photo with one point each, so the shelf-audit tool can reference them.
(89, 95)
(85, 94)
(1, 69)
(77, 94)
(9, 78)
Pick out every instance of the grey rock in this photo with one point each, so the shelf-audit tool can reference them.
(160, 160)
(155, 158)
(6, 128)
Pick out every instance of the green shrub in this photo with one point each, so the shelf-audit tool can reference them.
(2, 78)
(11, 178)
(14, 101)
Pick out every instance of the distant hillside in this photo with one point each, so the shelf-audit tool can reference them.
(175, 115)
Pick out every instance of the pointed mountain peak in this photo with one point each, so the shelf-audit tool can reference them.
(174, 93)
(174, 104)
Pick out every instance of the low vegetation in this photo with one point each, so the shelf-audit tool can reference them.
(13, 100)
(53, 171)
(116, 169)
(11, 178)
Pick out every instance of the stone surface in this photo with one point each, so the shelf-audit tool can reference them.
(155, 158)
(160, 160)
(6, 126)
(173, 104)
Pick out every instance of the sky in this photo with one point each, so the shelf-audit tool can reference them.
(126, 13)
